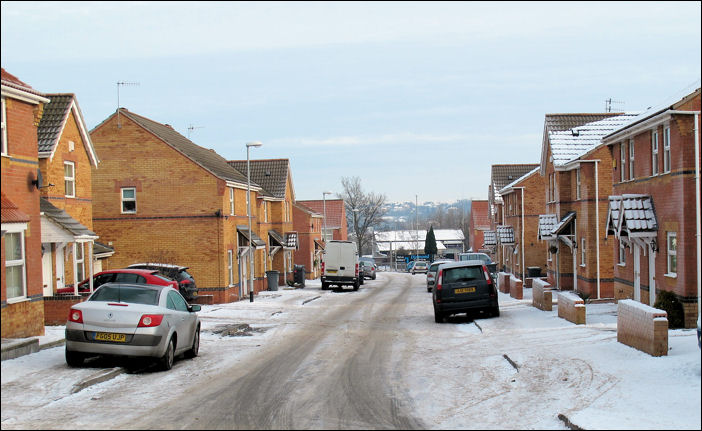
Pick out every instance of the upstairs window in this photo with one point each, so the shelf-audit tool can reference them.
(231, 200)
(622, 166)
(583, 257)
(654, 152)
(15, 275)
(129, 200)
(622, 254)
(265, 211)
(631, 159)
(666, 149)
(69, 179)
(577, 184)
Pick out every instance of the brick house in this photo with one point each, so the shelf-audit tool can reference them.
(22, 292)
(157, 196)
(478, 224)
(308, 225)
(576, 167)
(66, 161)
(653, 208)
(523, 202)
(275, 206)
(336, 216)
(501, 176)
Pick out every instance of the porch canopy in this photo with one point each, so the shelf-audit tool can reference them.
(552, 229)
(505, 235)
(632, 218)
(257, 242)
(489, 238)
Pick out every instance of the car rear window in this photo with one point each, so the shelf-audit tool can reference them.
(469, 273)
(129, 278)
(128, 294)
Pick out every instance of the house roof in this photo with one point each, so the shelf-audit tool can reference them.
(10, 213)
(64, 220)
(570, 144)
(11, 80)
(53, 121)
(270, 174)
(503, 175)
(307, 210)
(336, 213)
(510, 187)
(206, 158)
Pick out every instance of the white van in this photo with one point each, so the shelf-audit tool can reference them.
(340, 265)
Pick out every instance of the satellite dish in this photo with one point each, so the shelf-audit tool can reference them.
(38, 181)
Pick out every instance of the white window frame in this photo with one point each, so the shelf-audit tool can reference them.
(4, 129)
(230, 266)
(622, 254)
(622, 156)
(631, 159)
(69, 179)
(671, 254)
(265, 211)
(583, 257)
(666, 149)
(123, 200)
(231, 200)
(577, 184)
(20, 229)
(654, 152)
(79, 253)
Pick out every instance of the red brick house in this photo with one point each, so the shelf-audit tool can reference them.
(523, 202)
(66, 160)
(157, 196)
(308, 225)
(501, 176)
(336, 216)
(479, 223)
(22, 292)
(654, 206)
(275, 207)
(576, 167)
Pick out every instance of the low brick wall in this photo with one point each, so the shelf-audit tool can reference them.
(642, 327)
(503, 282)
(542, 295)
(571, 307)
(56, 308)
(516, 289)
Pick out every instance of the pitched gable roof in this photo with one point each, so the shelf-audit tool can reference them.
(336, 212)
(54, 120)
(9, 212)
(207, 159)
(270, 174)
(502, 175)
(15, 88)
(63, 219)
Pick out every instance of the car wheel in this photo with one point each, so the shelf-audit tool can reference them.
(325, 286)
(195, 349)
(361, 281)
(496, 312)
(429, 289)
(438, 316)
(166, 361)
(373, 278)
(74, 359)
(356, 285)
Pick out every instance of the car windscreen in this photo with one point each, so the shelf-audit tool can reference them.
(129, 294)
(467, 273)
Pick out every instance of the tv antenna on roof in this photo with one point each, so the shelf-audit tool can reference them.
(191, 128)
(120, 83)
(609, 102)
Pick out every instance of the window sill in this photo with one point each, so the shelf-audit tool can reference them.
(17, 300)
(621, 265)
(582, 266)
(671, 275)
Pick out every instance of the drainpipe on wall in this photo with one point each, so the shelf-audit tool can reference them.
(522, 229)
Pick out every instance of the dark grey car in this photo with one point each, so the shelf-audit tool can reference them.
(464, 287)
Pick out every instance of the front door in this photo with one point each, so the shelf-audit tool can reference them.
(47, 270)
(637, 272)
(60, 272)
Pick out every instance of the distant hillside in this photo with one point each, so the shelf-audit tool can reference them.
(403, 214)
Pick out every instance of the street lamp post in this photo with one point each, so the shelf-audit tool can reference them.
(355, 229)
(248, 205)
(324, 206)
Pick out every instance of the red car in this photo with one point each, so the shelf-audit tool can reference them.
(132, 276)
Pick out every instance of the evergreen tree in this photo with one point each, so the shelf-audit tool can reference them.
(430, 244)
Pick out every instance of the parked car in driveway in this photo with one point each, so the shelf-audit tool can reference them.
(464, 287)
(134, 276)
(367, 269)
(134, 320)
(487, 260)
(431, 272)
(186, 282)
(420, 266)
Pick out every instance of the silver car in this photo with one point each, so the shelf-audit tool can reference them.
(133, 320)
(432, 271)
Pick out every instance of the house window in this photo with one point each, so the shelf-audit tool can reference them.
(672, 243)
(129, 200)
(69, 178)
(622, 154)
(4, 128)
(80, 260)
(231, 200)
(577, 183)
(654, 152)
(551, 187)
(583, 258)
(230, 266)
(15, 275)
(666, 149)
(265, 212)
(622, 254)
(550, 255)
(631, 159)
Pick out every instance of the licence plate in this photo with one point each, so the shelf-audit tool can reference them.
(109, 336)
(331, 271)
(464, 290)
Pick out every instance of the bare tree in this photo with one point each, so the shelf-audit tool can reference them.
(364, 211)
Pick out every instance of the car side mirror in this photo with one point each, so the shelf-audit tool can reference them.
(193, 308)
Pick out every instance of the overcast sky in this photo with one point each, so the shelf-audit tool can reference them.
(414, 98)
